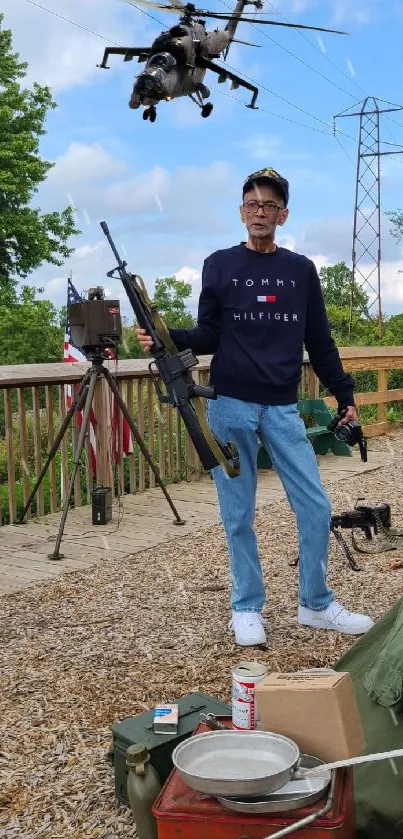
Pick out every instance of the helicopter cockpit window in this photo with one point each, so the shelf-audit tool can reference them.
(162, 59)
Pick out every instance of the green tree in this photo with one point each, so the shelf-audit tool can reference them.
(363, 330)
(397, 224)
(336, 283)
(28, 238)
(393, 330)
(31, 330)
(169, 296)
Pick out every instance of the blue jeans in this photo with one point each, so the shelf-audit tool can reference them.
(282, 432)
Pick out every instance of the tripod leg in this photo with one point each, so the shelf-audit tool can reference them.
(76, 405)
(77, 455)
(346, 550)
(141, 443)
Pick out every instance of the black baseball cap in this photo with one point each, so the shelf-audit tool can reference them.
(269, 176)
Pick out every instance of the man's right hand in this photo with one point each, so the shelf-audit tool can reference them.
(145, 340)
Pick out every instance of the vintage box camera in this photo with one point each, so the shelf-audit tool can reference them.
(95, 324)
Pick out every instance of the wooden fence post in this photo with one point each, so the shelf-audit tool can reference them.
(103, 434)
(313, 384)
(382, 411)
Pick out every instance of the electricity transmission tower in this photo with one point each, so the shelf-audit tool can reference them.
(366, 250)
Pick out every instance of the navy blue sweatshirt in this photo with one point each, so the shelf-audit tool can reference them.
(256, 312)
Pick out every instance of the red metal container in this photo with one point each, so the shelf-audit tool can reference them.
(183, 813)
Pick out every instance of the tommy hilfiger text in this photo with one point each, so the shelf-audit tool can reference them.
(278, 283)
(284, 316)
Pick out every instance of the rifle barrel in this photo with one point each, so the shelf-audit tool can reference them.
(105, 229)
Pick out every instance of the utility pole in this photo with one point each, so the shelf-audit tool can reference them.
(366, 250)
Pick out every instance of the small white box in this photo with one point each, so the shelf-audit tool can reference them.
(166, 719)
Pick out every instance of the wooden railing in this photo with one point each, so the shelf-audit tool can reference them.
(35, 406)
(372, 359)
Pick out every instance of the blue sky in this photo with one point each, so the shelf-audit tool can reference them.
(170, 191)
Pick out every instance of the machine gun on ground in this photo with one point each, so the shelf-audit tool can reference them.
(375, 523)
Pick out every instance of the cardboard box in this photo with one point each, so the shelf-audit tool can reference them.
(319, 711)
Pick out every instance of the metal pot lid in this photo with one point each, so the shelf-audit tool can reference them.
(293, 796)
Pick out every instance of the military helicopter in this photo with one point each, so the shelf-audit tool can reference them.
(178, 59)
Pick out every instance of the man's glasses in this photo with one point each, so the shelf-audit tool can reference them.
(269, 207)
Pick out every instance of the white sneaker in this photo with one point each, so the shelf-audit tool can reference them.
(336, 617)
(248, 628)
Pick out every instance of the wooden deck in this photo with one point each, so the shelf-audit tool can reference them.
(145, 521)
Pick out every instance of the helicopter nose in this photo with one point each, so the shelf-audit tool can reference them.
(151, 84)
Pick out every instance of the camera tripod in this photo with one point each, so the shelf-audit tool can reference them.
(83, 401)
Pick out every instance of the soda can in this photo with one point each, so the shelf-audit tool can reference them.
(244, 679)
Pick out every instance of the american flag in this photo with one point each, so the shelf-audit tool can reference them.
(74, 353)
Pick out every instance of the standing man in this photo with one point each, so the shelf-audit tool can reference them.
(259, 305)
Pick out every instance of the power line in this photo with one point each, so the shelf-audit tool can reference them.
(296, 57)
(315, 47)
(271, 113)
(278, 96)
(344, 151)
(85, 28)
(329, 60)
(67, 20)
(143, 12)
(288, 102)
(398, 159)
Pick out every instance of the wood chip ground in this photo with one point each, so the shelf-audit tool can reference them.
(86, 649)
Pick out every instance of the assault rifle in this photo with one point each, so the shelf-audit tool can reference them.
(174, 370)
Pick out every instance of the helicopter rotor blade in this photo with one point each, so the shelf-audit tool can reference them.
(259, 21)
(177, 7)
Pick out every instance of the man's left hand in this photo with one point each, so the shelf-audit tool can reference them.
(350, 416)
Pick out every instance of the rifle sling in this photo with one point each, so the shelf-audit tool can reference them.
(164, 336)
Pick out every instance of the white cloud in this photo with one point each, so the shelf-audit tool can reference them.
(286, 240)
(188, 275)
(85, 251)
(360, 12)
(333, 236)
(194, 200)
(192, 276)
(62, 55)
(82, 161)
(55, 287)
(392, 283)
(97, 181)
(264, 147)
(137, 194)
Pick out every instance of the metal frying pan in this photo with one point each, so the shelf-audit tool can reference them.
(249, 763)
(293, 796)
(231, 763)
